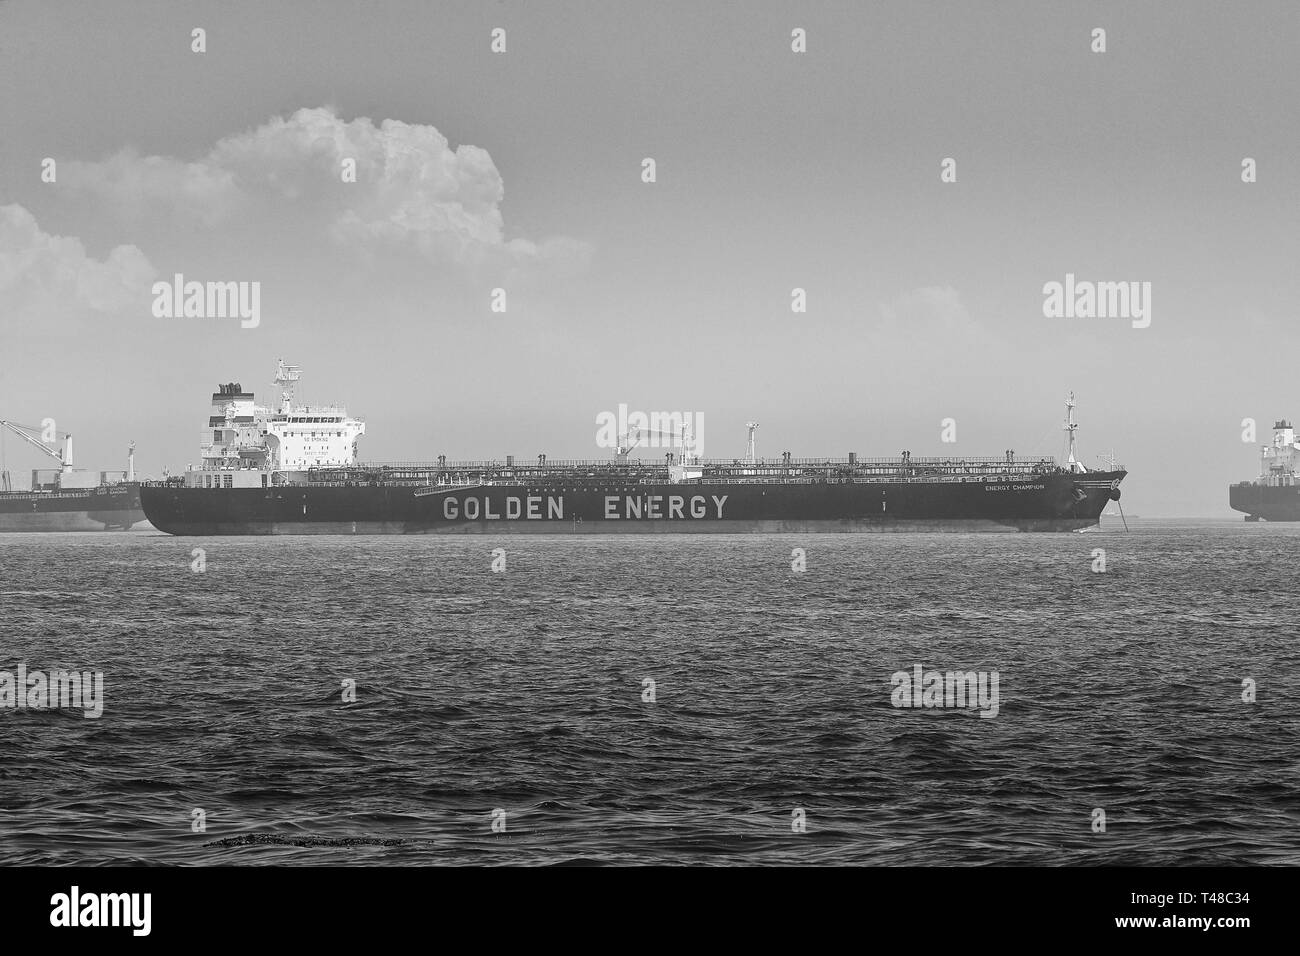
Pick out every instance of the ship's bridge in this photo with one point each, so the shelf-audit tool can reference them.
(245, 441)
(313, 437)
(1278, 461)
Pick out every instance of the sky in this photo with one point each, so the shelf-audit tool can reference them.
(522, 170)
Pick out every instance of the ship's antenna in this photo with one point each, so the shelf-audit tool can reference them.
(286, 376)
(753, 427)
(1070, 426)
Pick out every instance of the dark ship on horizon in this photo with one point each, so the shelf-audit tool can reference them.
(293, 470)
(68, 498)
(1275, 494)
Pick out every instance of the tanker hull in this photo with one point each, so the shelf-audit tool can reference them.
(581, 505)
(1266, 502)
(107, 508)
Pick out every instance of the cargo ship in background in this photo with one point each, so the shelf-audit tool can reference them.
(1275, 494)
(68, 498)
(293, 469)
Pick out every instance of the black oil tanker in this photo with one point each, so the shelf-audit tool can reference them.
(1275, 494)
(292, 470)
(595, 501)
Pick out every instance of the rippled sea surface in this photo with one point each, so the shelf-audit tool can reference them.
(522, 691)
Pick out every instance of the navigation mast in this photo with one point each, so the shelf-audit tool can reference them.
(1070, 425)
(286, 377)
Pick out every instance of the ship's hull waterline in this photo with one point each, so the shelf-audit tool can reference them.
(1052, 502)
(109, 509)
(1266, 502)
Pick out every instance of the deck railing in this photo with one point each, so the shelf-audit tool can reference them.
(588, 473)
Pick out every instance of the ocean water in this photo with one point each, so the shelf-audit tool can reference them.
(517, 698)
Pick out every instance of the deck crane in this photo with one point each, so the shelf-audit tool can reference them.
(64, 458)
(628, 441)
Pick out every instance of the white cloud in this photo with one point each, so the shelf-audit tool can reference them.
(413, 192)
(46, 277)
(139, 187)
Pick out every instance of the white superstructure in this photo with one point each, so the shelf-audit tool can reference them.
(1277, 462)
(250, 445)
